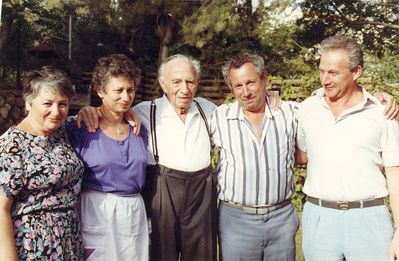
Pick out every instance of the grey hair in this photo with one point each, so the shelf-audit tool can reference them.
(47, 78)
(196, 64)
(241, 59)
(352, 48)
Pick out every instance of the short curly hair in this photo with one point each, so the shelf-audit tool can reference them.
(239, 60)
(47, 78)
(114, 65)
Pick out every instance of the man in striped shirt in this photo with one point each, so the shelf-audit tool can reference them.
(256, 218)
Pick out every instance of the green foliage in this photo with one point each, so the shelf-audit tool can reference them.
(211, 30)
(215, 157)
(16, 34)
(299, 198)
(221, 29)
(211, 21)
(283, 59)
(229, 98)
(297, 89)
(373, 23)
(384, 68)
(394, 92)
(94, 37)
(100, 27)
(293, 68)
(27, 25)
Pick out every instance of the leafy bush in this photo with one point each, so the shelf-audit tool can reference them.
(384, 68)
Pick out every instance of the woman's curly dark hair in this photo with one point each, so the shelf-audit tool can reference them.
(114, 65)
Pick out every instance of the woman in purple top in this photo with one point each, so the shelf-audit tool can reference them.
(114, 222)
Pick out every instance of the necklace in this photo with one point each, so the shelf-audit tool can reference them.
(119, 130)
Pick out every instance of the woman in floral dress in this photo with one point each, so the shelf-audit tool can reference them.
(40, 176)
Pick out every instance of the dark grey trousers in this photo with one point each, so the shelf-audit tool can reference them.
(182, 207)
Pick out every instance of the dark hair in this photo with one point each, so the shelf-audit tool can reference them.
(114, 65)
(241, 59)
(49, 78)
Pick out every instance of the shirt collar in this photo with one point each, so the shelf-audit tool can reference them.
(236, 112)
(368, 99)
(166, 109)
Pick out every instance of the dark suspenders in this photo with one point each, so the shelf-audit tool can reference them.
(204, 118)
(156, 157)
(153, 127)
(153, 131)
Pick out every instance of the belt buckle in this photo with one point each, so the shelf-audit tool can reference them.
(343, 205)
(256, 210)
(262, 211)
(250, 210)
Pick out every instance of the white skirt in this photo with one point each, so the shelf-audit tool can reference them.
(114, 227)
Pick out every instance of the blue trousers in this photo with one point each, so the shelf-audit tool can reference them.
(354, 234)
(269, 237)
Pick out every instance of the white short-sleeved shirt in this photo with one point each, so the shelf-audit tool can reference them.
(182, 145)
(346, 156)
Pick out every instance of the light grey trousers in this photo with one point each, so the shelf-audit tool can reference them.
(268, 237)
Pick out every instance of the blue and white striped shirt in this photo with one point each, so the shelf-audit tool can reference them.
(252, 172)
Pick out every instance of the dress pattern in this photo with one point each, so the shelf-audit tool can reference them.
(42, 175)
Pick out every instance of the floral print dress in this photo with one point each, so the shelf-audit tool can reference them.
(42, 175)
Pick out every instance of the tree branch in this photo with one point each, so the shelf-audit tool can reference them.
(387, 25)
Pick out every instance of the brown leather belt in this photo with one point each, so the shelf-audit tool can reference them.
(345, 205)
(261, 210)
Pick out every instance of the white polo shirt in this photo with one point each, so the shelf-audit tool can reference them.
(346, 156)
(181, 145)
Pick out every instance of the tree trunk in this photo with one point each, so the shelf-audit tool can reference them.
(165, 44)
(5, 33)
(248, 7)
(19, 81)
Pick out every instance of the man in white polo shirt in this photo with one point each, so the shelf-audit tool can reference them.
(257, 220)
(352, 153)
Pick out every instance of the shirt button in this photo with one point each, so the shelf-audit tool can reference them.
(121, 143)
